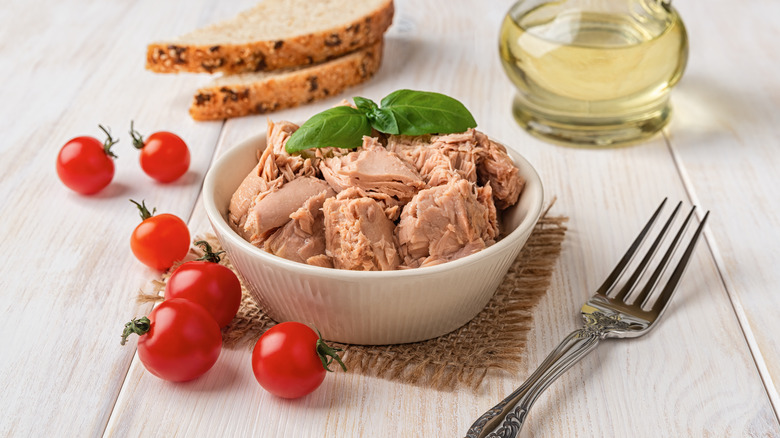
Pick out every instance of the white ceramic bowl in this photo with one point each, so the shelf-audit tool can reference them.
(377, 307)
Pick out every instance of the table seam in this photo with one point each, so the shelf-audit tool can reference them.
(736, 304)
(220, 139)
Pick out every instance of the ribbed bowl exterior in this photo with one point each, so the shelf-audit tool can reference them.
(368, 307)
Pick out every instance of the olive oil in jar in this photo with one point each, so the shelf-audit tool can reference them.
(593, 77)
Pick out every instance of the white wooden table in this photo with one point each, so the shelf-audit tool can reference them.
(68, 279)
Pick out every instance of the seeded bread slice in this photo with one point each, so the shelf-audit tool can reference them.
(273, 35)
(257, 93)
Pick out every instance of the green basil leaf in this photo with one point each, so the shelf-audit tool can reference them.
(424, 112)
(342, 127)
(367, 106)
(383, 120)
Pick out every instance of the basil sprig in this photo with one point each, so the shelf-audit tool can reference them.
(405, 112)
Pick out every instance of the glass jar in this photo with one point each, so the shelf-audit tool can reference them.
(593, 72)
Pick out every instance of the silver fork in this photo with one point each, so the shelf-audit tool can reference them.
(608, 314)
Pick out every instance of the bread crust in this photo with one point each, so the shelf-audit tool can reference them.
(312, 48)
(273, 93)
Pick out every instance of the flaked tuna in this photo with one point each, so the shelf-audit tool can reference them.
(358, 234)
(470, 155)
(446, 222)
(274, 168)
(302, 238)
(273, 209)
(439, 158)
(497, 170)
(419, 201)
(275, 162)
(377, 172)
(253, 187)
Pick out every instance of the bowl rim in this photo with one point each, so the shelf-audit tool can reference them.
(225, 231)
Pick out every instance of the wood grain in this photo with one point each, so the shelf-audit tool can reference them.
(616, 187)
(726, 137)
(69, 286)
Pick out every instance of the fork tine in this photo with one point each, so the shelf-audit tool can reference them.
(644, 296)
(674, 280)
(613, 277)
(640, 269)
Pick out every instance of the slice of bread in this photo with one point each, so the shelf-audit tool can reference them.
(257, 93)
(273, 35)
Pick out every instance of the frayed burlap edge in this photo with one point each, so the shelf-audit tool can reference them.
(493, 341)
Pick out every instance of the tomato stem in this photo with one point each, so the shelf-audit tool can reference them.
(138, 326)
(145, 213)
(209, 254)
(108, 142)
(138, 139)
(327, 353)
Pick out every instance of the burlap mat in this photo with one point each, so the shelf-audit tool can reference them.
(493, 341)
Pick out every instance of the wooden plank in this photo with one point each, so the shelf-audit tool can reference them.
(725, 136)
(693, 376)
(69, 278)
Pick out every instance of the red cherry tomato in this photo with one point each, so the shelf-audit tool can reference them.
(206, 282)
(164, 155)
(85, 165)
(179, 341)
(159, 241)
(290, 360)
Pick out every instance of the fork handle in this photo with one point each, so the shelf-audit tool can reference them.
(506, 419)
